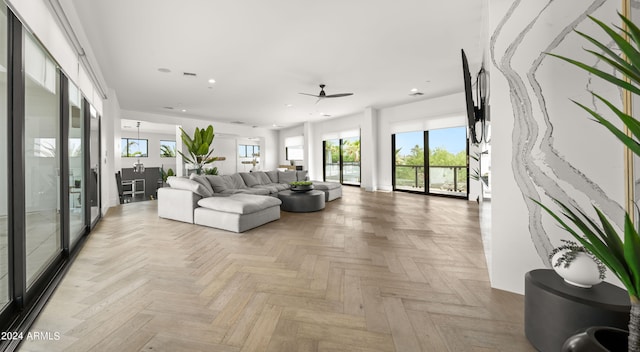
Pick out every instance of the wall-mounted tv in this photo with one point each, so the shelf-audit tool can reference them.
(475, 113)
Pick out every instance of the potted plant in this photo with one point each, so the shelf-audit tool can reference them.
(199, 148)
(301, 186)
(576, 265)
(166, 174)
(602, 240)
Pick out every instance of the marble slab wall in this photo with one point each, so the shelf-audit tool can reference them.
(544, 146)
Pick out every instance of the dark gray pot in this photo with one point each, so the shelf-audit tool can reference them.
(597, 339)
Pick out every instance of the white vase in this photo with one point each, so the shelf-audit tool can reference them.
(582, 272)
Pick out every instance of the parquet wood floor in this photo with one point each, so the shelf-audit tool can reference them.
(372, 272)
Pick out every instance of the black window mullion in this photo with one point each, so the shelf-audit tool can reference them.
(340, 165)
(393, 161)
(16, 161)
(86, 147)
(427, 154)
(64, 162)
(324, 161)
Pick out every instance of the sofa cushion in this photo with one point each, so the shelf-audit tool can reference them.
(250, 179)
(189, 185)
(239, 203)
(263, 178)
(238, 182)
(201, 179)
(302, 175)
(286, 176)
(273, 176)
(220, 183)
(271, 188)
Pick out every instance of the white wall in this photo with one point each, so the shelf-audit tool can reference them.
(153, 143)
(283, 134)
(224, 132)
(543, 145)
(110, 151)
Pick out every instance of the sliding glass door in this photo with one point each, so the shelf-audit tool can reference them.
(76, 165)
(94, 172)
(350, 166)
(332, 160)
(448, 161)
(342, 160)
(445, 161)
(42, 158)
(409, 161)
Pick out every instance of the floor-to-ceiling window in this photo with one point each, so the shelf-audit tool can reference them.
(445, 161)
(332, 160)
(350, 160)
(409, 161)
(94, 156)
(76, 164)
(342, 160)
(448, 161)
(44, 173)
(4, 154)
(42, 158)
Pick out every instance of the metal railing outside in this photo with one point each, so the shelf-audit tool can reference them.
(442, 179)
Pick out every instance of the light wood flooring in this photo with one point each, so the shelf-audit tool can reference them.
(372, 272)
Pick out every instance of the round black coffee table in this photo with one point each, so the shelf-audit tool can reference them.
(301, 202)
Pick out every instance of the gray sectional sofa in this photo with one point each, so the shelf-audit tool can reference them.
(237, 202)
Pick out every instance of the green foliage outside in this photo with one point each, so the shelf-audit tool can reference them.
(406, 176)
(167, 151)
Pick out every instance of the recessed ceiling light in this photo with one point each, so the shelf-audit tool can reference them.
(184, 110)
(212, 81)
(289, 105)
(164, 70)
(413, 90)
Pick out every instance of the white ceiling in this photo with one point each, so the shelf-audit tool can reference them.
(263, 53)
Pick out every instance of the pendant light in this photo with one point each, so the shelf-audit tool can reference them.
(138, 166)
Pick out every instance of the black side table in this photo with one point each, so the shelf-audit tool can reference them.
(555, 310)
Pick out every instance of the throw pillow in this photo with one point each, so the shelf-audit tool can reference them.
(189, 185)
(273, 176)
(249, 179)
(203, 181)
(263, 178)
(302, 175)
(286, 176)
(238, 182)
(220, 183)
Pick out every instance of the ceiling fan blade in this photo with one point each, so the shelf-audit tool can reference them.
(311, 95)
(317, 101)
(338, 95)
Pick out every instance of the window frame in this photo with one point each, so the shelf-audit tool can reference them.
(124, 154)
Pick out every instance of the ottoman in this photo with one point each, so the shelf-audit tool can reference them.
(332, 190)
(238, 212)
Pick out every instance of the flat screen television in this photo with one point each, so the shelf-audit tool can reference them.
(475, 113)
(471, 108)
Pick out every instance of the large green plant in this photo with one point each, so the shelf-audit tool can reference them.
(199, 147)
(602, 240)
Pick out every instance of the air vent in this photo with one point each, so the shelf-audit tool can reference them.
(416, 94)
(189, 74)
(237, 122)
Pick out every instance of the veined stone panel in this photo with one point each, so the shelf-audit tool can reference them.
(543, 144)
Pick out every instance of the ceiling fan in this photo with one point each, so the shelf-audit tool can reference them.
(323, 95)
